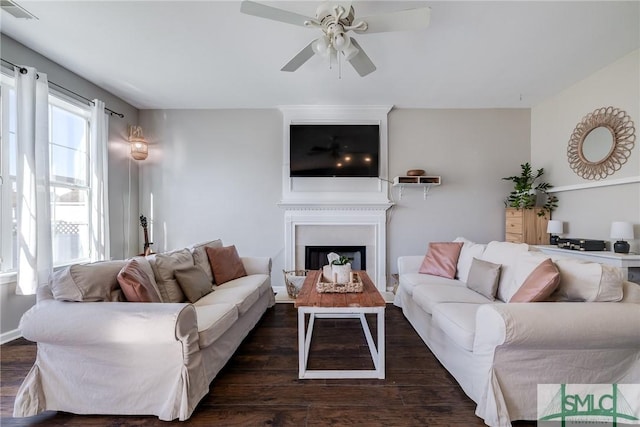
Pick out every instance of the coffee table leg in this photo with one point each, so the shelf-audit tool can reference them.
(302, 356)
(381, 345)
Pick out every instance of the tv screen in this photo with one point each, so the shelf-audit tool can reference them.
(334, 150)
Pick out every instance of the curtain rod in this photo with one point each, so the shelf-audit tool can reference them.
(24, 71)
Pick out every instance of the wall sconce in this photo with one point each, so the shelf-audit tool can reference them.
(554, 228)
(139, 145)
(621, 230)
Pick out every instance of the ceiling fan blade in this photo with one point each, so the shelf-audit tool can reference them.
(361, 61)
(268, 12)
(403, 20)
(302, 57)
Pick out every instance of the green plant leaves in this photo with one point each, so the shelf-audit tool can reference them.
(526, 188)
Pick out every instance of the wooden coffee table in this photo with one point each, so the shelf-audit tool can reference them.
(340, 305)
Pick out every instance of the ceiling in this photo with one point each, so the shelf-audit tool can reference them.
(206, 54)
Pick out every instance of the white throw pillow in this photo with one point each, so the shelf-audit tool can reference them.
(164, 266)
(506, 254)
(588, 281)
(469, 251)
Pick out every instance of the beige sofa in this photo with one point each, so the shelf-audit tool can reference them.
(137, 358)
(499, 352)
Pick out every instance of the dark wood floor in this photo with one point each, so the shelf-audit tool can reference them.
(259, 385)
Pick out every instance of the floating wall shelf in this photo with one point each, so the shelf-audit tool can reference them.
(426, 182)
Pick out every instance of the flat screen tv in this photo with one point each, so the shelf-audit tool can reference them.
(334, 150)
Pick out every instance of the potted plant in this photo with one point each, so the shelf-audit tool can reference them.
(527, 187)
(341, 269)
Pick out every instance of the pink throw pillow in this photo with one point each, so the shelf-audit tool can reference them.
(135, 283)
(225, 264)
(539, 284)
(441, 259)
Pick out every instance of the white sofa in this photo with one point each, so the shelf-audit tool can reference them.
(499, 352)
(138, 358)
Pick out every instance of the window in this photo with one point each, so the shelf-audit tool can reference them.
(8, 215)
(70, 179)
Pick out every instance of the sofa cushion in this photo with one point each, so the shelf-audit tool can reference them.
(458, 322)
(164, 267)
(194, 282)
(225, 264)
(441, 259)
(243, 297)
(145, 265)
(588, 281)
(97, 281)
(136, 284)
(483, 278)
(429, 296)
(505, 254)
(409, 281)
(469, 251)
(200, 257)
(262, 282)
(213, 321)
(539, 284)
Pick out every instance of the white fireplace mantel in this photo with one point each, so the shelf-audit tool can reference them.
(374, 218)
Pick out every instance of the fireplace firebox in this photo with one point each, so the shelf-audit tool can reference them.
(316, 256)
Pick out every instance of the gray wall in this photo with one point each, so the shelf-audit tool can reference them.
(217, 173)
(588, 211)
(123, 205)
(472, 150)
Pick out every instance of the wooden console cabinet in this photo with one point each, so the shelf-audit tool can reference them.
(525, 226)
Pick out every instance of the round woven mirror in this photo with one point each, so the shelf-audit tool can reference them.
(601, 143)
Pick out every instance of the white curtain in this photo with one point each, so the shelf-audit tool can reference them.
(99, 180)
(33, 197)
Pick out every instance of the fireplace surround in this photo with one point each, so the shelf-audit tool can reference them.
(330, 211)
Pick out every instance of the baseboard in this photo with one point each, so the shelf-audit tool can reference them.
(10, 336)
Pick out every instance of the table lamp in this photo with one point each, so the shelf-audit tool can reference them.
(621, 230)
(554, 228)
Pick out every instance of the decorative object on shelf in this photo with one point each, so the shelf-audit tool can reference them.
(294, 279)
(139, 145)
(582, 244)
(601, 143)
(554, 228)
(621, 230)
(147, 245)
(416, 172)
(340, 268)
(526, 189)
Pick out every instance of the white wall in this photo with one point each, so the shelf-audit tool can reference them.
(123, 205)
(217, 173)
(588, 213)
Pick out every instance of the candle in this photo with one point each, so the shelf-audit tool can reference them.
(351, 277)
(335, 277)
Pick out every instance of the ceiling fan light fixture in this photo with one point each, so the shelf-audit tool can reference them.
(321, 46)
(341, 41)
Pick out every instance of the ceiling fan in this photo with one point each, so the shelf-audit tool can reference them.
(336, 19)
